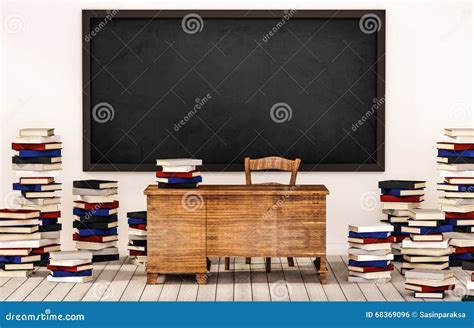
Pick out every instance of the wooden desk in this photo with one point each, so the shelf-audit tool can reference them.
(186, 226)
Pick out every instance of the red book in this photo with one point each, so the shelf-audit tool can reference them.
(402, 199)
(399, 239)
(375, 240)
(43, 146)
(377, 269)
(138, 226)
(137, 253)
(50, 215)
(91, 206)
(457, 146)
(462, 250)
(161, 174)
(90, 239)
(46, 249)
(427, 289)
(65, 268)
(452, 215)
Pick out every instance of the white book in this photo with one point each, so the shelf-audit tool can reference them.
(94, 192)
(15, 273)
(179, 162)
(28, 243)
(457, 208)
(462, 242)
(429, 274)
(425, 259)
(13, 223)
(433, 295)
(378, 246)
(105, 251)
(38, 194)
(470, 284)
(459, 132)
(94, 246)
(397, 212)
(455, 167)
(377, 227)
(37, 139)
(70, 263)
(179, 169)
(434, 266)
(456, 174)
(408, 243)
(51, 234)
(40, 201)
(371, 257)
(36, 132)
(427, 252)
(136, 232)
(455, 201)
(37, 167)
(70, 279)
(426, 214)
(358, 251)
(399, 205)
(460, 139)
(34, 174)
(431, 283)
(20, 236)
(454, 194)
(96, 199)
(363, 280)
(371, 275)
(42, 208)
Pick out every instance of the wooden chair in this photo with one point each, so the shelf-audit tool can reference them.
(269, 163)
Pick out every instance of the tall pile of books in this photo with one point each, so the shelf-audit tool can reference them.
(370, 253)
(469, 297)
(19, 234)
(426, 248)
(427, 283)
(72, 266)
(96, 219)
(137, 236)
(37, 162)
(178, 173)
(455, 162)
(398, 197)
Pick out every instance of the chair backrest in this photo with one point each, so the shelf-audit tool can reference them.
(271, 163)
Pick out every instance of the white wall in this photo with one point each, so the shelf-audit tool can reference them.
(428, 83)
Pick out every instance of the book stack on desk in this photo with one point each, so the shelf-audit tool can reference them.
(19, 234)
(455, 162)
(72, 267)
(37, 162)
(428, 283)
(137, 236)
(426, 248)
(178, 173)
(370, 253)
(397, 198)
(96, 218)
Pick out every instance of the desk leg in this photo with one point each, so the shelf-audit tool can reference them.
(151, 278)
(320, 263)
(201, 278)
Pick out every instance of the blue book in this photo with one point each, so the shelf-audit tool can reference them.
(353, 234)
(393, 191)
(379, 264)
(22, 187)
(93, 212)
(45, 222)
(180, 180)
(439, 229)
(11, 259)
(455, 153)
(57, 273)
(97, 232)
(463, 256)
(136, 221)
(39, 153)
(400, 233)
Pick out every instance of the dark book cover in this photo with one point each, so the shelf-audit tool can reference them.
(468, 298)
(104, 258)
(89, 239)
(91, 184)
(50, 215)
(50, 227)
(401, 184)
(84, 273)
(161, 174)
(41, 146)
(178, 185)
(138, 242)
(23, 187)
(91, 225)
(465, 229)
(33, 160)
(94, 212)
(137, 215)
(467, 265)
(93, 218)
(138, 226)
(91, 206)
(453, 215)
(458, 160)
(137, 253)
(136, 221)
(400, 199)
(64, 268)
(97, 232)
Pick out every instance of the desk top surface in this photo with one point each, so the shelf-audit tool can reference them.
(264, 189)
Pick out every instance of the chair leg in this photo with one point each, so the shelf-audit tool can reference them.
(268, 264)
(291, 263)
(227, 263)
(248, 260)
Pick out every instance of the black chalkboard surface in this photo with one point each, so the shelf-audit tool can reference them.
(224, 85)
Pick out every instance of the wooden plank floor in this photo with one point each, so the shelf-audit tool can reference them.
(122, 281)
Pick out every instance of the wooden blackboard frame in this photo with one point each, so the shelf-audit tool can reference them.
(87, 15)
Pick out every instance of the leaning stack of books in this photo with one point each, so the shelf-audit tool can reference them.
(137, 236)
(95, 218)
(19, 234)
(370, 253)
(37, 162)
(72, 266)
(178, 173)
(426, 248)
(469, 297)
(427, 283)
(398, 197)
(455, 163)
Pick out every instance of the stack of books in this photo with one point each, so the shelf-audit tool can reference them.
(19, 234)
(426, 248)
(427, 283)
(178, 173)
(137, 236)
(72, 266)
(96, 218)
(398, 197)
(469, 297)
(370, 253)
(37, 162)
(455, 163)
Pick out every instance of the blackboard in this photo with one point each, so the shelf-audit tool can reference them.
(224, 85)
